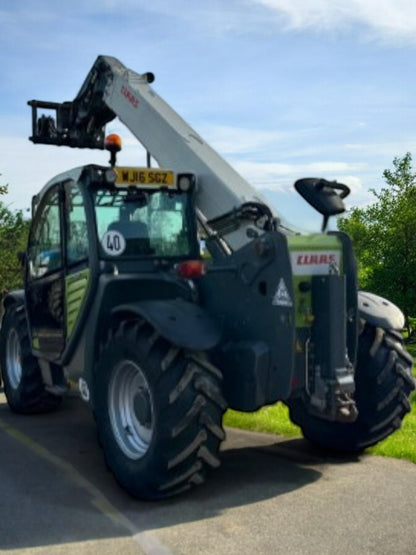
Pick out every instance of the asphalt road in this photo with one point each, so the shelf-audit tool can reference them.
(270, 495)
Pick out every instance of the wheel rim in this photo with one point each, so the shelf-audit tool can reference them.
(14, 359)
(131, 409)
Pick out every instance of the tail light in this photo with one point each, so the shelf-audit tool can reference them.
(191, 269)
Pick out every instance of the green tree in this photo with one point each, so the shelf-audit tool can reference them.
(13, 237)
(384, 238)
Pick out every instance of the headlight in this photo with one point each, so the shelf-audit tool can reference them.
(186, 182)
(110, 177)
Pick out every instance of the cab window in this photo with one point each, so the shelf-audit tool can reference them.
(77, 231)
(45, 241)
(133, 222)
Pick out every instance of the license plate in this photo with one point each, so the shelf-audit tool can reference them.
(142, 177)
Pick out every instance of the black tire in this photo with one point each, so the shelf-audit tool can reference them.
(158, 411)
(384, 382)
(23, 384)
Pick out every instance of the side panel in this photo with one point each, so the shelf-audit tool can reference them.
(113, 298)
(325, 282)
(310, 255)
(250, 295)
(76, 287)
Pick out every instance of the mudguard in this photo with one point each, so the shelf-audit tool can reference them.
(14, 297)
(182, 323)
(380, 312)
(17, 296)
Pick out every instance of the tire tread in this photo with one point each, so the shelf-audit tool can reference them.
(384, 382)
(189, 405)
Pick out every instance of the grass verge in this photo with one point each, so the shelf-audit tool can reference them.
(275, 419)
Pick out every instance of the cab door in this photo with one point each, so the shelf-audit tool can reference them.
(57, 271)
(77, 259)
(45, 277)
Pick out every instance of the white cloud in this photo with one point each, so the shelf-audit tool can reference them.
(281, 176)
(353, 182)
(27, 167)
(388, 149)
(381, 18)
(388, 19)
(237, 140)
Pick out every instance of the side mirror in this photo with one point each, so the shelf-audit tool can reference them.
(323, 196)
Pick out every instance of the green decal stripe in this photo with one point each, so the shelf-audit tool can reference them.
(309, 243)
(303, 304)
(314, 242)
(76, 287)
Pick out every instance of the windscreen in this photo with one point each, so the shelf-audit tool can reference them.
(132, 222)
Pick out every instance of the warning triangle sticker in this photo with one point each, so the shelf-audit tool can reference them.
(282, 297)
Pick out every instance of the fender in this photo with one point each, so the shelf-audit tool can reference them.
(380, 312)
(182, 323)
(17, 296)
(14, 297)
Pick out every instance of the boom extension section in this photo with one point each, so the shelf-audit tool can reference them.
(225, 200)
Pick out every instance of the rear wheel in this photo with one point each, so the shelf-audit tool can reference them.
(23, 384)
(158, 411)
(384, 382)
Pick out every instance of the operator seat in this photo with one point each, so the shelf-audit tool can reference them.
(135, 233)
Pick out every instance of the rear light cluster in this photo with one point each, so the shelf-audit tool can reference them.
(191, 269)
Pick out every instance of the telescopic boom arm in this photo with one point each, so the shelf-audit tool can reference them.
(226, 201)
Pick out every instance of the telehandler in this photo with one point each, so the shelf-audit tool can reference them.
(170, 293)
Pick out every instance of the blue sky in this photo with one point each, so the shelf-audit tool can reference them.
(281, 88)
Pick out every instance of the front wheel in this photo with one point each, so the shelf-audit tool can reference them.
(158, 411)
(23, 384)
(383, 383)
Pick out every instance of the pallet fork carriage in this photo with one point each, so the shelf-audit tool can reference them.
(163, 338)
